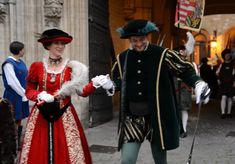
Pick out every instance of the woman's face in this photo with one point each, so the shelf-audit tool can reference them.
(56, 49)
(139, 43)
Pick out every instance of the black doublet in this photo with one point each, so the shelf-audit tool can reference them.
(137, 76)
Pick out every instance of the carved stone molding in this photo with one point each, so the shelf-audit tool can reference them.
(3, 11)
(53, 12)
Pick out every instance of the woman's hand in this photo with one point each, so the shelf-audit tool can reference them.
(46, 97)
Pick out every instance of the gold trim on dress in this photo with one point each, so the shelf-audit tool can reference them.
(73, 139)
(30, 127)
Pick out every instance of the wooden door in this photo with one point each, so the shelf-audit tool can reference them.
(100, 48)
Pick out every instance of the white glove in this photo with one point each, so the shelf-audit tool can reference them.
(24, 98)
(108, 83)
(98, 81)
(44, 96)
(202, 89)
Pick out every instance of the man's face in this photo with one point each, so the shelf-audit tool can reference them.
(21, 53)
(139, 43)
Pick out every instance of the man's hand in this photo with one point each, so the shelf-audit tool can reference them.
(202, 92)
(108, 84)
(98, 81)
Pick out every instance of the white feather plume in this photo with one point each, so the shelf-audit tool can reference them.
(190, 43)
(79, 78)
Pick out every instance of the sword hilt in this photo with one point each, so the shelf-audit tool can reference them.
(205, 93)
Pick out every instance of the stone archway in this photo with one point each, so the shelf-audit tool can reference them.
(201, 49)
(229, 39)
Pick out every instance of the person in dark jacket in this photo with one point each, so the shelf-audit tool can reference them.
(148, 108)
(225, 74)
(209, 76)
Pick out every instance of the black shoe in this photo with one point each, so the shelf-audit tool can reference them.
(183, 135)
(223, 116)
(229, 115)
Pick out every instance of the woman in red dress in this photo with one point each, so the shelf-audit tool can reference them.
(54, 133)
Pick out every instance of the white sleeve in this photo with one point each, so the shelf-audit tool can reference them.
(12, 80)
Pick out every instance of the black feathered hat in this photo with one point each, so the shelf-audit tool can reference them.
(137, 27)
(48, 36)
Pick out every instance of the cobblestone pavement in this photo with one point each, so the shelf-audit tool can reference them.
(215, 141)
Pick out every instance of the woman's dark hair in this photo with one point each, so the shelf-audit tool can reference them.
(15, 47)
(46, 45)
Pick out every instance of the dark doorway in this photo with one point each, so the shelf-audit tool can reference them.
(100, 48)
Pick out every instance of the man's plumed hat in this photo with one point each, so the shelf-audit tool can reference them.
(52, 35)
(138, 27)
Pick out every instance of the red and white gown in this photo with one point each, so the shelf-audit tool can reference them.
(69, 142)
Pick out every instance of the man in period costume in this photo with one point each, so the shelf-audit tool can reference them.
(148, 104)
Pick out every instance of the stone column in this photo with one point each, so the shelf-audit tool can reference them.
(75, 21)
(3, 14)
(12, 19)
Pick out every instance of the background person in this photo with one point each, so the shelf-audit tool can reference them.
(183, 93)
(225, 74)
(208, 74)
(14, 72)
(7, 133)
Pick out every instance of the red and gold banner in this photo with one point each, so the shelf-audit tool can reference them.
(189, 14)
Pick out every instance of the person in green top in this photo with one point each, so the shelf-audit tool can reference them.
(148, 108)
